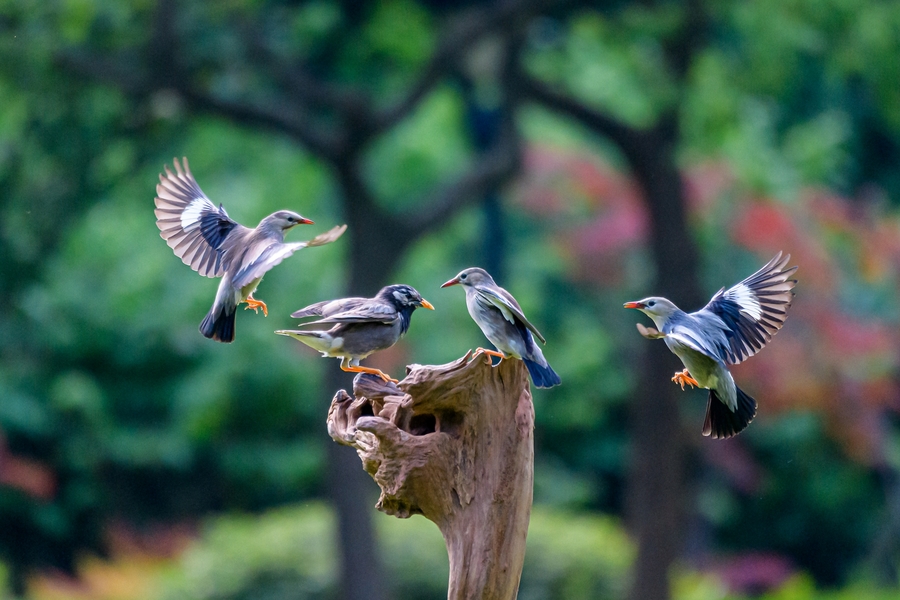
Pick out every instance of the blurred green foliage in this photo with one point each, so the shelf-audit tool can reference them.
(289, 553)
(105, 381)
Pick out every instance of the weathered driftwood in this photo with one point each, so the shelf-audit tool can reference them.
(453, 443)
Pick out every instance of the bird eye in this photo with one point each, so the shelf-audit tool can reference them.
(463, 276)
(651, 303)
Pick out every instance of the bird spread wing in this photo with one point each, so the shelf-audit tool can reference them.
(258, 260)
(753, 310)
(371, 310)
(508, 307)
(327, 308)
(686, 337)
(191, 224)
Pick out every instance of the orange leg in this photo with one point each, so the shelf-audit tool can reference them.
(370, 370)
(685, 378)
(256, 305)
(488, 354)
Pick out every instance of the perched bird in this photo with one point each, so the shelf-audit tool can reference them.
(206, 239)
(734, 326)
(501, 320)
(360, 326)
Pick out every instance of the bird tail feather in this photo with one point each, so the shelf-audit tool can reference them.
(218, 324)
(317, 340)
(542, 376)
(721, 422)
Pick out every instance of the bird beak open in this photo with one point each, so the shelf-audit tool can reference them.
(453, 281)
(427, 304)
(637, 305)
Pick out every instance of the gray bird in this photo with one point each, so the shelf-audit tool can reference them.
(206, 239)
(734, 326)
(500, 318)
(359, 326)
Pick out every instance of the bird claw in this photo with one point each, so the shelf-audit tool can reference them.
(256, 305)
(488, 354)
(372, 371)
(683, 378)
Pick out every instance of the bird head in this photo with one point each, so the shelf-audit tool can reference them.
(283, 220)
(404, 296)
(471, 276)
(658, 309)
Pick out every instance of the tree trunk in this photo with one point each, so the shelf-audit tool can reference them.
(455, 444)
(657, 478)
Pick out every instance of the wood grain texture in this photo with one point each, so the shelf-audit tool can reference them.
(455, 444)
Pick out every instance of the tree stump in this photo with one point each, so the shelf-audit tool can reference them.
(455, 444)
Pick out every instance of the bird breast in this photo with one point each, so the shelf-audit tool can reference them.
(362, 339)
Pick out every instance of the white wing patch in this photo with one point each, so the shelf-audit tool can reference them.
(190, 216)
(746, 299)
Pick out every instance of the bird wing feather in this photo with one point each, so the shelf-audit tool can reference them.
(684, 337)
(508, 307)
(191, 224)
(257, 261)
(371, 310)
(327, 308)
(753, 310)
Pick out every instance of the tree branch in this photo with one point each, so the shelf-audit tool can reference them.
(459, 37)
(489, 171)
(629, 139)
(118, 74)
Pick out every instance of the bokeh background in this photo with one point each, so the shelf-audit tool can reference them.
(586, 153)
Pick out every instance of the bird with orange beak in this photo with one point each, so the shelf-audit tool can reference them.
(210, 242)
(501, 320)
(732, 327)
(359, 327)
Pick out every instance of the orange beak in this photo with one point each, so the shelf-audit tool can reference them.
(453, 281)
(427, 304)
(305, 221)
(633, 305)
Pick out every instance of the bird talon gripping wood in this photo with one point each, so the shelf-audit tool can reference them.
(359, 326)
(210, 242)
(488, 354)
(732, 327)
(501, 320)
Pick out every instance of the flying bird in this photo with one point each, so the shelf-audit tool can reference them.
(359, 327)
(734, 326)
(210, 242)
(501, 320)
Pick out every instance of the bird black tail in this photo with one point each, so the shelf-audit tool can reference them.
(720, 422)
(542, 376)
(218, 324)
